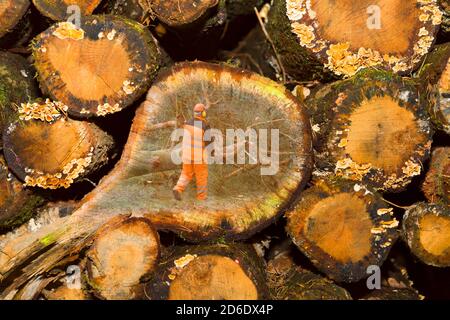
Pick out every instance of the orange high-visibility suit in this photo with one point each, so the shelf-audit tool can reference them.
(194, 158)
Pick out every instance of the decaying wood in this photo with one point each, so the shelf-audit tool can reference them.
(97, 69)
(215, 272)
(436, 186)
(62, 9)
(343, 38)
(372, 128)
(288, 281)
(17, 203)
(17, 85)
(342, 228)
(124, 251)
(37, 154)
(426, 230)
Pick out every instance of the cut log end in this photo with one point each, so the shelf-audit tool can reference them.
(62, 9)
(123, 252)
(391, 34)
(38, 156)
(341, 230)
(11, 12)
(212, 277)
(176, 13)
(220, 272)
(436, 186)
(426, 229)
(372, 131)
(97, 69)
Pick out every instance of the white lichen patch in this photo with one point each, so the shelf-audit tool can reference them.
(84, 111)
(384, 211)
(71, 171)
(305, 34)
(351, 170)
(111, 34)
(295, 9)
(67, 30)
(105, 109)
(48, 111)
(411, 169)
(127, 87)
(184, 261)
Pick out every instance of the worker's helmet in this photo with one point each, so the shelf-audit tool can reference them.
(200, 110)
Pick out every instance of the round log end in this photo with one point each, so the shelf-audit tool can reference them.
(60, 10)
(11, 11)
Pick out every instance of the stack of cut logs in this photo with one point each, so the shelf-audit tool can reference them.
(91, 92)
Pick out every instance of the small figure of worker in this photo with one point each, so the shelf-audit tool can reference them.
(194, 155)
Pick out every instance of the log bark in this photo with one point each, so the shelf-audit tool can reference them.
(342, 228)
(238, 207)
(75, 65)
(17, 203)
(214, 272)
(345, 36)
(436, 186)
(17, 86)
(288, 281)
(434, 77)
(137, 10)
(58, 9)
(426, 230)
(36, 154)
(372, 128)
(124, 251)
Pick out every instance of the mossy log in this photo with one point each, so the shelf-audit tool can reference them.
(287, 281)
(445, 7)
(346, 36)
(17, 203)
(426, 230)
(237, 207)
(97, 69)
(436, 186)
(59, 9)
(17, 85)
(214, 272)
(342, 228)
(434, 77)
(39, 157)
(124, 251)
(393, 294)
(372, 128)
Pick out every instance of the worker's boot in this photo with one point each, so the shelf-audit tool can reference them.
(177, 195)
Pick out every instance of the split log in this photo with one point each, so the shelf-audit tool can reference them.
(215, 272)
(287, 281)
(342, 228)
(75, 65)
(17, 86)
(38, 156)
(59, 9)
(434, 77)
(238, 206)
(436, 186)
(17, 204)
(124, 251)
(346, 36)
(426, 230)
(373, 128)
(12, 14)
